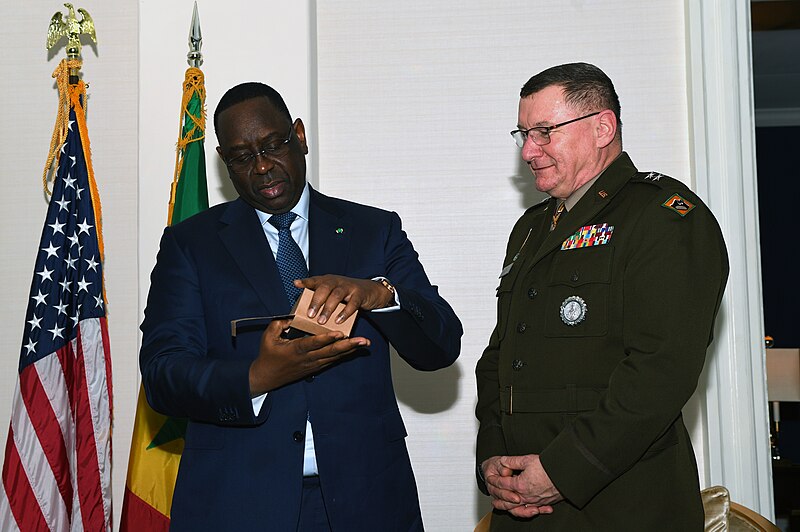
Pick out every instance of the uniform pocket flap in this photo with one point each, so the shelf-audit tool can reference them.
(576, 267)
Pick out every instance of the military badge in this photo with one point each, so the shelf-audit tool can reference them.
(589, 235)
(678, 204)
(573, 310)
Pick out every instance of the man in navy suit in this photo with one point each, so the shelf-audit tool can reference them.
(288, 434)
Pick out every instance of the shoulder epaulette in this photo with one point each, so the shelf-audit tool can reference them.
(676, 196)
(653, 178)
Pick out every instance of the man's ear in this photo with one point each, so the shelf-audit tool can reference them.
(219, 152)
(606, 128)
(300, 131)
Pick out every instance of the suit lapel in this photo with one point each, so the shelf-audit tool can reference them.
(329, 236)
(244, 239)
(589, 206)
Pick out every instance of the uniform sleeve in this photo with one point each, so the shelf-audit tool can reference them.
(426, 331)
(179, 379)
(490, 433)
(672, 287)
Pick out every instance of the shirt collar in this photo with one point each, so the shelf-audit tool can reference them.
(300, 208)
(576, 196)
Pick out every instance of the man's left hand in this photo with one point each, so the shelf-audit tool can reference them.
(531, 483)
(357, 294)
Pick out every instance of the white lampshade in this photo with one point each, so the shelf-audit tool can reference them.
(783, 374)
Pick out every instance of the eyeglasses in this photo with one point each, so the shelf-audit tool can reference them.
(541, 135)
(275, 149)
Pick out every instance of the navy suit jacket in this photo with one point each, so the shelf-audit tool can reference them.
(240, 471)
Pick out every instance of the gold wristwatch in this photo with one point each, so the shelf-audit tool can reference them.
(385, 282)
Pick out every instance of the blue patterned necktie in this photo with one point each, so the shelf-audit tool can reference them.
(290, 260)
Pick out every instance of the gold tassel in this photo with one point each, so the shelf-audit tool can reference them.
(194, 81)
(61, 73)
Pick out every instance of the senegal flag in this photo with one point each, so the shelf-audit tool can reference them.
(157, 441)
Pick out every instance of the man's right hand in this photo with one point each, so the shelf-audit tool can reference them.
(281, 361)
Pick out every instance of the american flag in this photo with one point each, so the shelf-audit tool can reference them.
(57, 465)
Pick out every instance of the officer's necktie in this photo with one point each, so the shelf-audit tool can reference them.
(290, 260)
(557, 214)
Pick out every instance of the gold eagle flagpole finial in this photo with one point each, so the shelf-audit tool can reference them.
(72, 28)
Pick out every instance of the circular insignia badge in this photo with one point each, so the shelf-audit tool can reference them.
(573, 310)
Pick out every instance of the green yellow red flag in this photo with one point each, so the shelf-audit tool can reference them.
(157, 441)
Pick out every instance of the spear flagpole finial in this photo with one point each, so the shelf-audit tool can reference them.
(195, 57)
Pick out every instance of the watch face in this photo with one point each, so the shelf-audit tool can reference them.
(573, 310)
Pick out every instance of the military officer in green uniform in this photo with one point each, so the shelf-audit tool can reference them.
(605, 308)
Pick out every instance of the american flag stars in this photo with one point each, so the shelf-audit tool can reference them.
(67, 275)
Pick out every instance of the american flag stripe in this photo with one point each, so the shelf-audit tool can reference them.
(49, 436)
(40, 388)
(40, 488)
(44, 381)
(7, 523)
(21, 501)
(92, 414)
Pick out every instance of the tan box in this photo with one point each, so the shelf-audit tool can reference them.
(302, 322)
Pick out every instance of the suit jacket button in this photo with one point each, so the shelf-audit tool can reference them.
(517, 365)
(532, 293)
(574, 276)
(310, 378)
(298, 436)
(521, 326)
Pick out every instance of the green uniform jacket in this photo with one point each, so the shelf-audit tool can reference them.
(600, 399)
